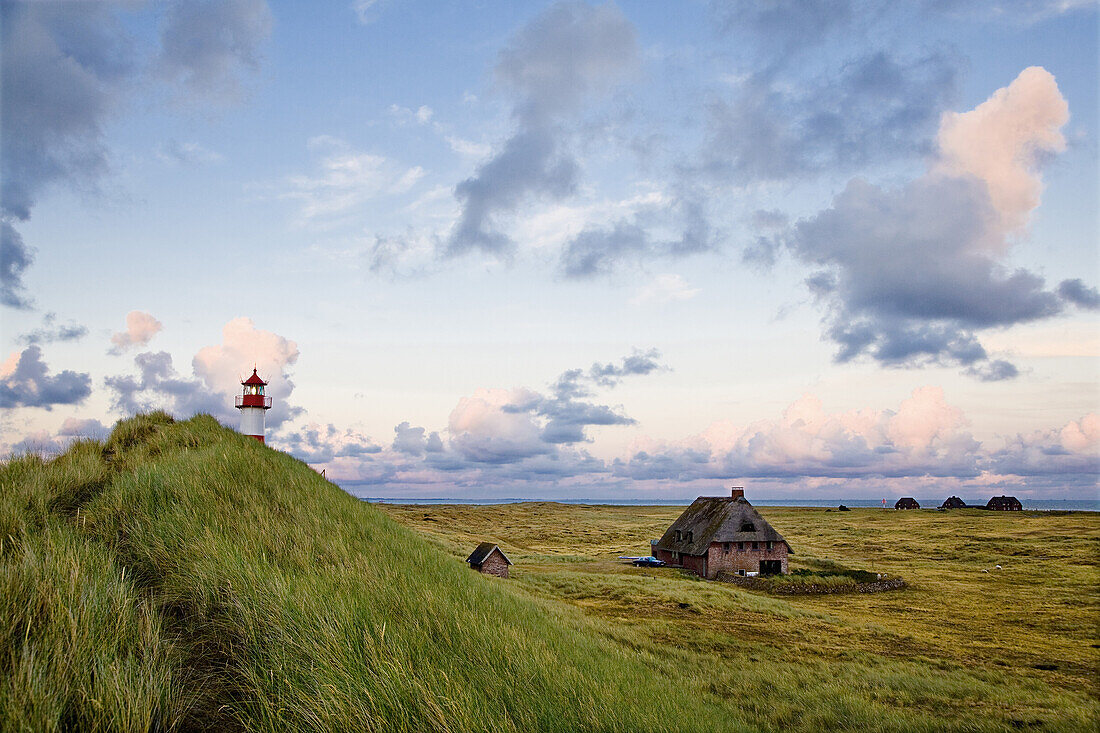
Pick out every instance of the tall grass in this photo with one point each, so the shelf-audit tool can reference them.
(182, 577)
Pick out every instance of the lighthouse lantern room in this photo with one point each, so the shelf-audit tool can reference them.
(253, 406)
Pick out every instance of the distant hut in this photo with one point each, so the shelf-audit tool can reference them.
(953, 502)
(907, 503)
(1005, 504)
(723, 534)
(489, 559)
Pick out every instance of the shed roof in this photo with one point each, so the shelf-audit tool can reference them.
(718, 519)
(254, 379)
(481, 553)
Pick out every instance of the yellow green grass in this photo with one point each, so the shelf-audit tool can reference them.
(181, 577)
(1020, 645)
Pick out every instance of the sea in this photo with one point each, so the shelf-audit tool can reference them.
(1040, 505)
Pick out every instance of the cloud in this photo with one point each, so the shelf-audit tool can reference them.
(218, 371)
(873, 108)
(1073, 449)
(211, 47)
(318, 444)
(49, 332)
(599, 250)
(187, 153)
(908, 275)
(346, 180)
(367, 11)
(244, 346)
(564, 56)
(140, 329)
(664, 288)
(925, 436)
(1076, 292)
(62, 71)
(25, 381)
(1004, 141)
(83, 428)
(412, 441)
(15, 258)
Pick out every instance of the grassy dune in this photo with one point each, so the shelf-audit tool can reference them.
(182, 577)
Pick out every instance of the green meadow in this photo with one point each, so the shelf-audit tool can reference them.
(181, 577)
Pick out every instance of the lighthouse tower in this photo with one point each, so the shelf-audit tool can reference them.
(253, 405)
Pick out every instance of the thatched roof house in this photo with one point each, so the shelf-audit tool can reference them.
(1005, 504)
(907, 503)
(723, 534)
(953, 502)
(490, 559)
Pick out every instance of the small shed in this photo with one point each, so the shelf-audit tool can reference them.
(489, 559)
(907, 503)
(1005, 504)
(953, 502)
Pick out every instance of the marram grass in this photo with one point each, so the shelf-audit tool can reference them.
(182, 577)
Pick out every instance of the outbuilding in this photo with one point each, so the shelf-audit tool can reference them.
(489, 559)
(1005, 504)
(723, 534)
(907, 503)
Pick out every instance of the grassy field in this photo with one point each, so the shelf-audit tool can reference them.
(1019, 646)
(181, 577)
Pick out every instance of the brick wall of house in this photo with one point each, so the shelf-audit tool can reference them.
(734, 560)
(495, 564)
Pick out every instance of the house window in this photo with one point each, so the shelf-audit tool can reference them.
(726, 547)
(690, 535)
(754, 546)
(740, 546)
(678, 536)
(769, 545)
(748, 527)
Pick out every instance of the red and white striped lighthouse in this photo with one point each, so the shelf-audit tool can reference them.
(253, 405)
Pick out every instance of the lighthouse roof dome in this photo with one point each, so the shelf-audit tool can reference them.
(254, 379)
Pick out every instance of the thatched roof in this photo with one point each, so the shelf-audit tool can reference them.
(481, 553)
(1004, 501)
(907, 502)
(718, 519)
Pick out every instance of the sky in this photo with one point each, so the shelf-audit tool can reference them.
(565, 250)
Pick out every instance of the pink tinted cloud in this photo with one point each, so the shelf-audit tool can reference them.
(141, 327)
(1004, 141)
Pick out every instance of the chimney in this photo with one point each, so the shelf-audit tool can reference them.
(738, 492)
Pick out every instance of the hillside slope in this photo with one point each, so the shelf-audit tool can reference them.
(182, 577)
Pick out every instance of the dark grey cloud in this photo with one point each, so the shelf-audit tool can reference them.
(159, 386)
(413, 441)
(27, 383)
(63, 68)
(566, 413)
(600, 250)
(567, 54)
(778, 126)
(325, 443)
(51, 331)
(909, 275)
(211, 47)
(638, 363)
(1075, 291)
(15, 258)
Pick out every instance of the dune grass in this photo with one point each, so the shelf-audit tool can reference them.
(181, 577)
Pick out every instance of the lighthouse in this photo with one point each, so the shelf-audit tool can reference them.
(253, 404)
